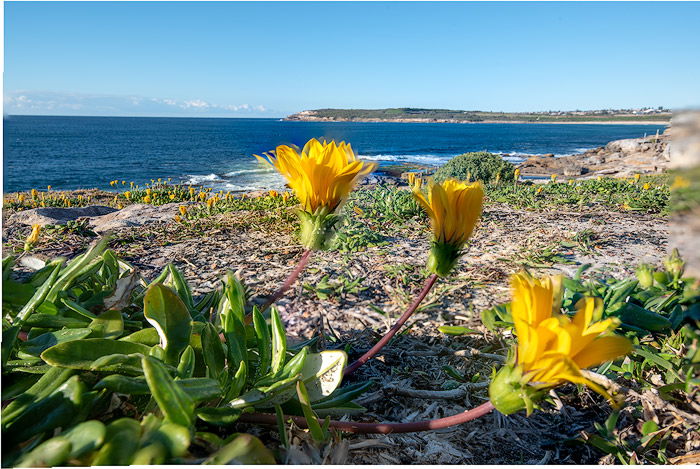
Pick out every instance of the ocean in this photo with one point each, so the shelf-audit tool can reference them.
(88, 152)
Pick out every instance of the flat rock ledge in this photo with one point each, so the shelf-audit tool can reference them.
(621, 158)
(101, 218)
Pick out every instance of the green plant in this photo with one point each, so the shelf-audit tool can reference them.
(650, 448)
(325, 288)
(608, 193)
(77, 334)
(479, 166)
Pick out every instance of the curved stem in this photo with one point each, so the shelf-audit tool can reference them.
(290, 280)
(429, 282)
(385, 427)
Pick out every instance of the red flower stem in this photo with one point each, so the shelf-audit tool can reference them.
(429, 282)
(385, 427)
(290, 280)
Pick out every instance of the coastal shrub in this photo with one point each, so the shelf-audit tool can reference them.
(477, 166)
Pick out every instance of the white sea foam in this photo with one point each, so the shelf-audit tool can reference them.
(196, 179)
(241, 172)
(431, 159)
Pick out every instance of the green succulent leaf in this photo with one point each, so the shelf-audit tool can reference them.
(170, 317)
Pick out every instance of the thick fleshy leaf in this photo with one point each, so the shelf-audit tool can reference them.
(213, 351)
(85, 437)
(264, 346)
(175, 404)
(47, 340)
(56, 410)
(323, 373)
(53, 452)
(121, 442)
(244, 449)
(80, 354)
(108, 325)
(279, 341)
(170, 317)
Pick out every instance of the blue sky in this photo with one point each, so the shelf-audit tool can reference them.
(268, 59)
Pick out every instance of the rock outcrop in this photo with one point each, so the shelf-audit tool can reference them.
(101, 218)
(618, 158)
(58, 215)
(134, 215)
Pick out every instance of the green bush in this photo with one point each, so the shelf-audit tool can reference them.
(480, 166)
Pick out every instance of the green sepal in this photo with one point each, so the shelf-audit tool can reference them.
(510, 393)
(443, 258)
(317, 229)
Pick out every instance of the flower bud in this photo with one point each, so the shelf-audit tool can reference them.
(674, 264)
(645, 275)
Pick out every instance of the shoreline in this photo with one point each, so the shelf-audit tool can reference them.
(431, 121)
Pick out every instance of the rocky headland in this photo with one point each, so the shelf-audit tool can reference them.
(620, 158)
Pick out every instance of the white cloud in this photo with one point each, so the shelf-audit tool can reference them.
(26, 102)
(196, 103)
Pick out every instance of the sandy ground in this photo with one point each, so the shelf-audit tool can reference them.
(389, 276)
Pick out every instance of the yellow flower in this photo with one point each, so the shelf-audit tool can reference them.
(127, 194)
(191, 191)
(123, 183)
(539, 190)
(637, 176)
(172, 196)
(552, 347)
(285, 196)
(646, 186)
(680, 182)
(33, 236)
(147, 199)
(454, 208)
(183, 210)
(411, 178)
(553, 177)
(273, 193)
(571, 182)
(48, 188)
(21, 198)
(202, 195)
(599, 178)
(516, 174)
(177, 218)
(35, 193)
(322, 175)
(149, 191)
